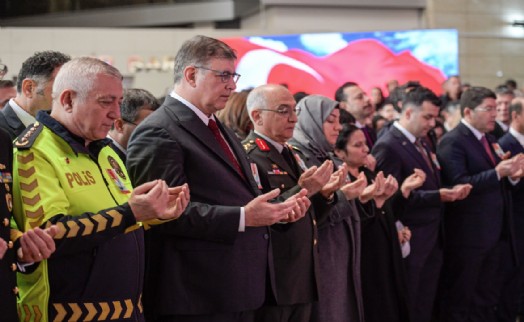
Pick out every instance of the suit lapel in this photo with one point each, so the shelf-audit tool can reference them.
(516, 144)
(194, 126)
(12, 119)
(415, 154)
(476, 144)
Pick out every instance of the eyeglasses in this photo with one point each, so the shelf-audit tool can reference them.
(486, 109)
(224, 76)
(135, 124)
(284, 111)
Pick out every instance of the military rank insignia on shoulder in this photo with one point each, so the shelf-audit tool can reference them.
(262, 145)
(26, 139)
(249, 146)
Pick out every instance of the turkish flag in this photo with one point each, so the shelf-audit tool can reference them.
(366, 62)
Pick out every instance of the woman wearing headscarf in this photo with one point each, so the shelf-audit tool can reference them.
(340, 296)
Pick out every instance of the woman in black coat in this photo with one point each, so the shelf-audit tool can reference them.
(382, 272)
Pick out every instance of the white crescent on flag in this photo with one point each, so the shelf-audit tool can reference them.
(265, 60)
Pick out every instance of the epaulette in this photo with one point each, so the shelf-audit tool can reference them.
(26, 139)
(249, 146)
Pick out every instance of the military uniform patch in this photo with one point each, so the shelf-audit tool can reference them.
(262, 145)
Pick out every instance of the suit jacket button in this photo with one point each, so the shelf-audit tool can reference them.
(314, 242)
(266, 236)
(6, 222)
(15, 291)
(314, 222)
(10, 244)
(282, 186)
(13, 267)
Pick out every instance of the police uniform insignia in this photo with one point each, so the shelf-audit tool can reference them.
(262, 145)
(117, 181)
(116, 167)
(28, 137)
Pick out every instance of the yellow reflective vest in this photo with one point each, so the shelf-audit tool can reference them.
(96, 271)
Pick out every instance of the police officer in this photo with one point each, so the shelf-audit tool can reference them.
(66, 174)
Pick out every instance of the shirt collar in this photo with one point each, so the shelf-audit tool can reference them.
(115, 143)
(277, 145)
(517, 135)
(504, 127)
(77, 143)
(26, 118)
(192, 107)
(476, 132)
(406, 133)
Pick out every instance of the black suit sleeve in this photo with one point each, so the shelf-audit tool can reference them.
(454, 157)
(390, 162)
(153, 153)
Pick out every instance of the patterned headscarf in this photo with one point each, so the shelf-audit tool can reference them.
(314, 110)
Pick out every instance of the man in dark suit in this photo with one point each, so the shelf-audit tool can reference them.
(357, 103)
(398, 152)
(479, 229)
(272, 109)
(135, 107)
(212, 263)
(33, 91)
(513, 142)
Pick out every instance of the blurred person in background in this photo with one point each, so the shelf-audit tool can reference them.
(452, 88)
(135, 107)
(235, 115)
(7, 91)
(504, 97)
(377, 98)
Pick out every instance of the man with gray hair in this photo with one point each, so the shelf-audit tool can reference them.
(214, 263)
(66, 174)
(273, 111)
(33, 91)
(135, 107)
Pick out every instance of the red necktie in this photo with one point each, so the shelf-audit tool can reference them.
(485, 144)
(225, 147)
(420, 147)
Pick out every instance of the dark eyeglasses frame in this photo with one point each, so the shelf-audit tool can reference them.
(286, 112)
(224, 76)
